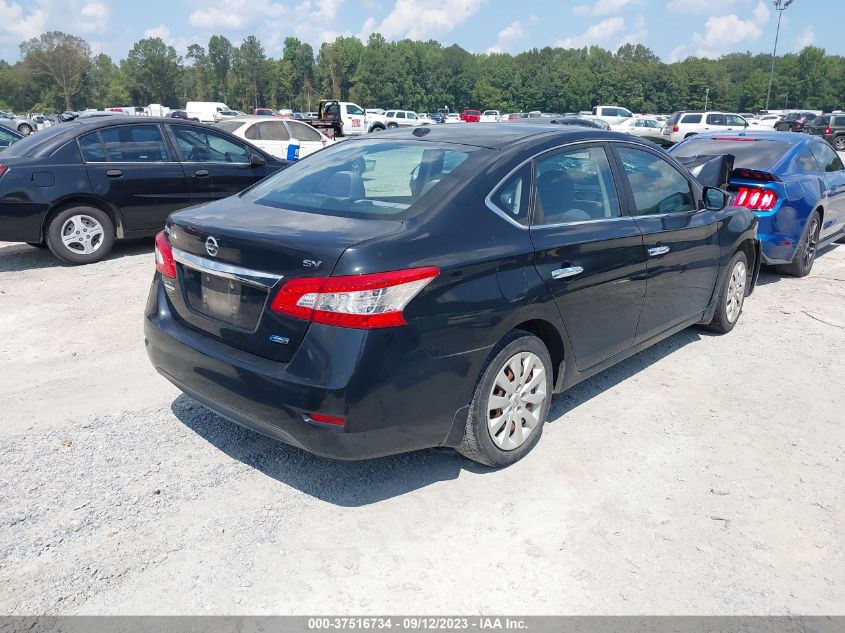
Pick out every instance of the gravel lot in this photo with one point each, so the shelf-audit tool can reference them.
(703, 476)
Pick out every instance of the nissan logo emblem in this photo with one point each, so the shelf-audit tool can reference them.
(211, 246)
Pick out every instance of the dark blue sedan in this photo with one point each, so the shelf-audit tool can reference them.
(794, 183)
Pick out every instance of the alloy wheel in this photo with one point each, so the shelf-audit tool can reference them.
(839, 144)
(736, 291)
(516, 399)
(82, 234)
(809, 254)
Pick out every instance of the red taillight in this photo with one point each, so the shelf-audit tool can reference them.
(3, 169)
(164, 257)
(826, 131)
(355, 301)
(756, 199)
(322, 418)
(675, 128)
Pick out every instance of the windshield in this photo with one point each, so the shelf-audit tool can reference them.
(750, 153)
(367, 179)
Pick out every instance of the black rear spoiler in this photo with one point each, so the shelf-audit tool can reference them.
(710, 171)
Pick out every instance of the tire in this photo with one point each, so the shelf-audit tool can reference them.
(377, 128)
(839, 143)
(731, 296)
(25, 129)
(88, 235)
(509, 442)
(392, 126)
(805, 254)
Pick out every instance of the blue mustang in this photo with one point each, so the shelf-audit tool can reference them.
(794, 183)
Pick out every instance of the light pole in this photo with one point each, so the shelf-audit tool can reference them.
(780, 7)
(706, 97)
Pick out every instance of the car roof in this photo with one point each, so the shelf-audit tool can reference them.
(789, 138)
(48, 140)
(499, 135)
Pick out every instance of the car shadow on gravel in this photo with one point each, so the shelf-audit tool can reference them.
(352, 484)
(21, 257)
(343, 483)
(768, 274)
(609, 378)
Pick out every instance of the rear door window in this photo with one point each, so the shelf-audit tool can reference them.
(134, 144)
(691, 118)
(303, 132)
(575, 186)
(838, 121)
(268, 131)
(827, 158)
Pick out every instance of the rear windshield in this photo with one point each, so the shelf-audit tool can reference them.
(367, 179)
(229, 126)
(750, 153)
(30, 145)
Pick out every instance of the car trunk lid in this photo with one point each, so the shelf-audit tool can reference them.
(231, 259)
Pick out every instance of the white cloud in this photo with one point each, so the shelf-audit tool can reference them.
(807, 37)
(160, 31)
(17, 26)
(219, 18)
(638, 35)
(511, 34)
(601, 7)
(596, 34)
(416, 20)
(722, 33)
(93, 17)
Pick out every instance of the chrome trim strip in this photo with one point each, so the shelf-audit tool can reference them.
(227, 271)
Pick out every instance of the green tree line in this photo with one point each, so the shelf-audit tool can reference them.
(58, 71)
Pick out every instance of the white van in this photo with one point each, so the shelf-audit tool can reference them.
(206, 111)
(612, 115)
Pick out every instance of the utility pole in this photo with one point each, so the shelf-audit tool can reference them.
(706, 97)
(780, 7)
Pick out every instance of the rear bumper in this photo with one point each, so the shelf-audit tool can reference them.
(394, 397)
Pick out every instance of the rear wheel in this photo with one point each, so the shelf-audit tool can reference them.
(25, 129)
(511, 402)
(732, 296)
(80, 235)
(805, 254)
(839, 143)
(392, 126)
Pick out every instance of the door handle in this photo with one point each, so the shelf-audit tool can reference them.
(563, 273)
(656, 251)
(114, 173)
(201, 173)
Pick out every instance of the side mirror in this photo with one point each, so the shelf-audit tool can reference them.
(715, 199)
(256, 160)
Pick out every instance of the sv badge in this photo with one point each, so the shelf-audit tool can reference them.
(311, 263)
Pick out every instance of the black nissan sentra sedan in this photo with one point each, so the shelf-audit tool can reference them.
(78, 186)
(435, 287)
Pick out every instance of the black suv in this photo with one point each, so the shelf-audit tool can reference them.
(795, 122)
(832, 128)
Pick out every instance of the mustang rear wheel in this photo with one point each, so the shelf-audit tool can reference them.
(805, 254)
(510, 403)
(732, 296)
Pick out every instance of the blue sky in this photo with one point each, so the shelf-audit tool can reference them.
(672, 28)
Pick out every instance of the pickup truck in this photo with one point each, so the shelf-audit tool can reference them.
(343, 118)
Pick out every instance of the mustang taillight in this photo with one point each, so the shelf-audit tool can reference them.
(355, 301)
(164, 257)
(756, 199)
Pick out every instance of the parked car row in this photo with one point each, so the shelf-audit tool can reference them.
(339, 304)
